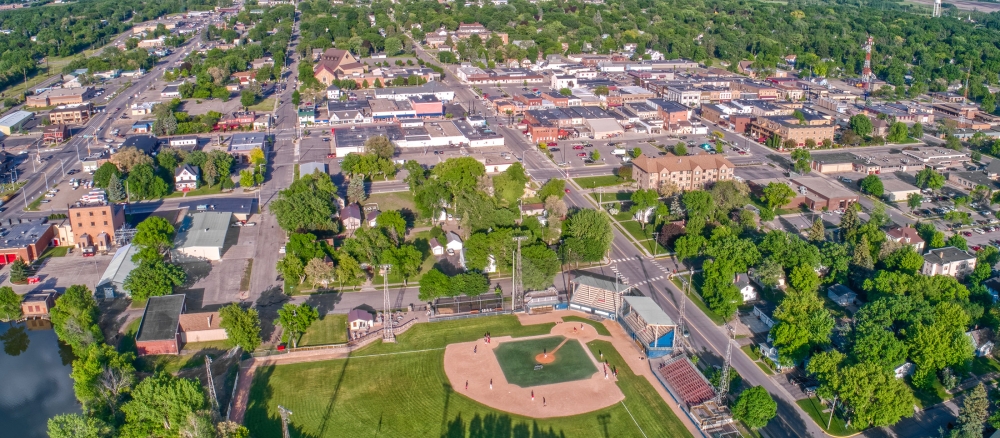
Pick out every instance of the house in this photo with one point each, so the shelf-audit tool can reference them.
(371, 217)
(159, 329)
(186, 178)
(245, 77)
(764, 312)
(201, 327)
(55, 133)
(903, 370)
(202, 236)
(907, 236)
(742, 282)
(335, 63)
(948, 261)
(360, 319)
(142, 127)
(993, 287)
(454, 242)
(38, 304)
(242, 143)
(842, 295)
(771, 353)
(436, 247)
(536, 209)
(333, 92)
(351, 217)
(982, 341)
(112, 281)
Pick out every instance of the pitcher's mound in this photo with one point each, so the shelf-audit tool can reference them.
(545, 358)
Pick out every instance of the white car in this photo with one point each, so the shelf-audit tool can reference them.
(978, 231)
(282, 250)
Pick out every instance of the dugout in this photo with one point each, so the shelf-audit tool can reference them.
(544, 301)
(462, 304)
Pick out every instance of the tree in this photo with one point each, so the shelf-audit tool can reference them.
(406, 260)
(10, 304)
(929, 178)
(589, 234)
(356, 190)
(721, 294)
(636, 152)
(77, 426)
(802, 321)
(296, 319)
(19, 271)
(565, 92)
(296, 98)
(246, 178)
(553, 187)
(917, 131)
(872, 185)
(144, 183)
(247, 98)
(958, 242)
(539, 266)
(817, 232)
(153, 278)
(972, 417)
(242, 326)
(393, 46)
(755, 407)
(161, 406)
(434, 284)
(680, 149)
(319, 272)
(291, 266)
(128, 158)
(74, 318)
(802, 159)
(381, 146)
(860, 124)
(102, 177)
(102, 376)
(898, 133)
(595, 155)
(116, 191)
(154, 232)
(777, 194)
(508, 186)
(307, 204)
(913, 200)
(642, 203)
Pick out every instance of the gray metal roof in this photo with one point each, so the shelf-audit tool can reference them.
(24, 234)
(160, 319)
(121, 265)
(15, 117)
(947, 255)
(648, 310)
(309, 168)
(203, 229)
(600, 283)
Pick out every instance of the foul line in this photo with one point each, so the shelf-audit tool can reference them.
(633, 418)
(399, 352)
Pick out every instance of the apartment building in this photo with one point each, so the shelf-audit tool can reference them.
(95, 224)
(686, 172)
(765, 127)
(71, 114)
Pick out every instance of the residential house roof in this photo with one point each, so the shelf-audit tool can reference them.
(434, 243)
(352, 211)
(947, 255)
(187, 167)
(906, 235)
(980, 336)
(452, 237)
(356, 314)
(742, 281)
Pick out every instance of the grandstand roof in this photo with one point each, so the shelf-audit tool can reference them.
(649, 311)
(601, 283)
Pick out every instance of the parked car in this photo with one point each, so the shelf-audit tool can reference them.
(577, 147)
(582, 154)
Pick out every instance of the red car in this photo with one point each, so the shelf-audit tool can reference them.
(567, 190)
(975, 248)
(577, 148)
(331, 155)
(582, 154)
(552, 143)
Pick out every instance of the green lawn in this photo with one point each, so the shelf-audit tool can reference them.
(838, 427)
(203, 190)
(635, 229)
(265, 105)
(331, 329)
(932, 396)
(55, 251)
(601, 329)
(590, 182)
(408, 395)
(696, 298)
(393, 201)
(517, 360)
(984, 365)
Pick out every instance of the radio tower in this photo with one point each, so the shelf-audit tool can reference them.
(724, 377)
(517, 294)
(866, 72)
(388, 334)
(937, 9)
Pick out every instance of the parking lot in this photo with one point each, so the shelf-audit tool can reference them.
(60, 273)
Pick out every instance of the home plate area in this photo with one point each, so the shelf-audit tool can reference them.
(543, 376)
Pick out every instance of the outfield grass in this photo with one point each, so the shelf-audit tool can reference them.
(408, 394)
(838, 427)
(517, 360)
(331, 329)
(590, 182)
(601, 329)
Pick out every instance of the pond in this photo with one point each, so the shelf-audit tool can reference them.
(34, 375)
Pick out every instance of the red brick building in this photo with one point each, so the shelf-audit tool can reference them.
(26, 241)
(159, 331)
(543, 132)
(38, 304)
(55, 133)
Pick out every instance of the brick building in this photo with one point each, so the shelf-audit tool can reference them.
(71, 114)
(26, 241)
(55, 133)
(159, 329)
(790, 129)
(95, 224)
(38, 304)
(59, 96)
(687, 172)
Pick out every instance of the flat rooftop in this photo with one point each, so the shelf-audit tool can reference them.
(24, 234)
(160, 318)
(203, 229)
(356, 135)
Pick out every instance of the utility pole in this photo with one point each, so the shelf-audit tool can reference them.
(724, 377)
(388, 334)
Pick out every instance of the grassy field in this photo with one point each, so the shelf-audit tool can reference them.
(203, 190)
(838, 427)
(265, 105)
(393, 201)
(608, 197)
(331, 329)
(590, 182)
(408, 394)
(601, 329)
(517, 360)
